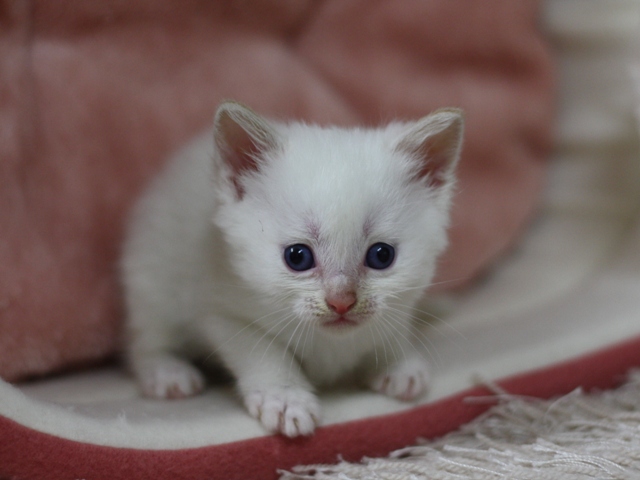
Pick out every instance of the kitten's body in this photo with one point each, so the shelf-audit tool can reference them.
(223, 287)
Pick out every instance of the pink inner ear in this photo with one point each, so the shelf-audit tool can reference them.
(437, 152)
(238, 148)
(433, 169)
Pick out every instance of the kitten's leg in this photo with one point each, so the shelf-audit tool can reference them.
(164, 375)
(159, 372)
(408, 378)
(269, 378)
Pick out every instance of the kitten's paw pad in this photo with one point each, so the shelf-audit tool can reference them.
(405, 382)
(170, 378)
(290, 411)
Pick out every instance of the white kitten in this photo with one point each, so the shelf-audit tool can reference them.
(295, 253)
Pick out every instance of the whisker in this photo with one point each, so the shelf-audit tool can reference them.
(311, 331)
(249, 325)
(395, 337)
(392, 336)
(305, 332)
(423, 337)
(287, 320)
(429, 349)
(383, 342)
(426, 286)
(286, 349)
(373, 341)
(434, 325)
(295, 348)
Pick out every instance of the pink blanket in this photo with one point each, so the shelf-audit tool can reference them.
(93, 96)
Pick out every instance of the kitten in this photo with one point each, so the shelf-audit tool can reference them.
(295, 254)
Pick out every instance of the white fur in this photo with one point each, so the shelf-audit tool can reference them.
(204, 272)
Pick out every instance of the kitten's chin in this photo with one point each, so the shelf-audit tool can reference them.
(341, 323)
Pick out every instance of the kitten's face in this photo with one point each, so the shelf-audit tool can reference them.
(339, 229)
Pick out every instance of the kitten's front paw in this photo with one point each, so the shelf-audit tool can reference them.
(287, 410)
(169, 377)
(406, 381)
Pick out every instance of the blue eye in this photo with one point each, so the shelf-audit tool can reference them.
(380, 256)
(299, 257)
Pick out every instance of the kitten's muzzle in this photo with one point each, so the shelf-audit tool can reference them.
(341, 306)
(341, 303)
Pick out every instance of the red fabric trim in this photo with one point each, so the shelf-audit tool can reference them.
(26, 454)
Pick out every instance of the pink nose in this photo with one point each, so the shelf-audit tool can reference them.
(342, 304)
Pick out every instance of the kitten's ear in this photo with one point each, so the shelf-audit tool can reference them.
(242, 137)
(436, 141)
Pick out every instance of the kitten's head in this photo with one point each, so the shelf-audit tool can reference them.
(341, 227)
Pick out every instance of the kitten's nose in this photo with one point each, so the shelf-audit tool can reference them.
(341, 304)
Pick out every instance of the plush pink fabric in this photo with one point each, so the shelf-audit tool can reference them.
(93, 95)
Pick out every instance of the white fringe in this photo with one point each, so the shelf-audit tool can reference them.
(578, 436)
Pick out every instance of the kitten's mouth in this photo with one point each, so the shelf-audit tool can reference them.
(340, 322)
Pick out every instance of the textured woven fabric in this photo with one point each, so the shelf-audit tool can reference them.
(576, 437)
